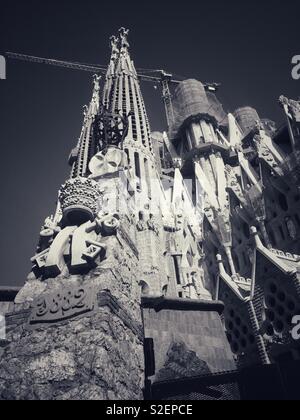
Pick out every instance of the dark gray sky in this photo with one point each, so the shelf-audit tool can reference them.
(245, 45)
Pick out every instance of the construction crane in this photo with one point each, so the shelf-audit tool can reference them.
(161, 77)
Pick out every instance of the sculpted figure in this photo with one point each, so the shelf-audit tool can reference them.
(291, 107)
(152, 225)
(48, 231)
(141, 225)
(114, 47)
(123, 34)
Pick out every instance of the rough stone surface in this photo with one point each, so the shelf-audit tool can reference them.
(97, 357)
(88, 358)
(181, 363)
(30, 291)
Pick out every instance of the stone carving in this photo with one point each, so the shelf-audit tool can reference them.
(259, 126)
(48, 231)
(40, 259)
(50, 226)
(141, 224)
(153, 225)
(114, 47)
(252, 198)
(291, 228)
(264, 152)
(224, 227)
(177, 163)
(62, 305)
(75, 249)
(201, 291)
(79, 199)
(55, 259)
(105, 224)
(110, 224)
(85, 110)
(110, 128)
(107, 162)
(291, 107)
(85, 249)
(123, 36)
(96, 82)
(181, 362)
(255, 199)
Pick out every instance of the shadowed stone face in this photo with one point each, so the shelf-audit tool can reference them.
(82, 359)
(97, 355)
(181, 362)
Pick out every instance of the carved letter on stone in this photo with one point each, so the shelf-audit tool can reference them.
(84, 249)
(55, 261)
(66, 303)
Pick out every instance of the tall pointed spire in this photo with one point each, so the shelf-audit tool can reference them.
(85, 149)
(122, 92)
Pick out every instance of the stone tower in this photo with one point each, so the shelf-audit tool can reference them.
(86, 277)
(170, 258)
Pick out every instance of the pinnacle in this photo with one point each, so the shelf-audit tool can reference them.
(120, 42)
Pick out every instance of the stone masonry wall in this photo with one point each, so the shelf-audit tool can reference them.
(188, 341)
(98, 355)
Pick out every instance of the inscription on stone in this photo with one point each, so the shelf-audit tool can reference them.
(62, 305)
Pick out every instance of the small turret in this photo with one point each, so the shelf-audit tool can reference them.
(247, 118)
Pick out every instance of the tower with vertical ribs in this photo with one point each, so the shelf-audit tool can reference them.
(171, 260)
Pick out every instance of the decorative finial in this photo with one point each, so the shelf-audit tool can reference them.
(114, 47)
(283, 100)
(85, 110)
(96, 81)
(123, 37)
(291, 108)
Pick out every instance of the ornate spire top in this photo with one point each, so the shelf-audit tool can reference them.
(114, 47)
(96, 91)
(123, 38)
(96, 82)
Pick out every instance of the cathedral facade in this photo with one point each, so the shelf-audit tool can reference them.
(171, 263)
